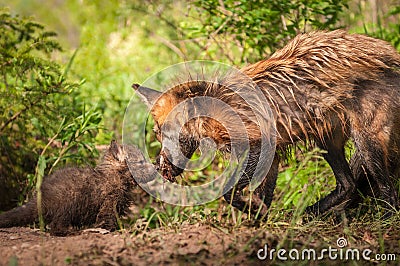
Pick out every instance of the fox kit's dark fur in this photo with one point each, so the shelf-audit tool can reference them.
(323, 88)
(77, 197)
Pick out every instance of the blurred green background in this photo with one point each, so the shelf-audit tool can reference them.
(105, 46)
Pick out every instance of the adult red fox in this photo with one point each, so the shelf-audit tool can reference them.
(324, 88)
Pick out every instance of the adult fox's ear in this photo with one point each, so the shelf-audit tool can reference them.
(147, 95)
(159, 103)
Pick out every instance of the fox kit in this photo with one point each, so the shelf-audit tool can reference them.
(324, 88)
(77, 197)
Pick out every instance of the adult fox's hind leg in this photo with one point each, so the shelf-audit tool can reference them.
(376, 165)
(366, 185)
(375, 130)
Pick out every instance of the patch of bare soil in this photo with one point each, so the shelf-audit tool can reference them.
(195, 244)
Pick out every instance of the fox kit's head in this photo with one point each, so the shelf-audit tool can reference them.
(127, 161)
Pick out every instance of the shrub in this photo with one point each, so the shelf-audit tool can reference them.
(38, 114)
(256, 29)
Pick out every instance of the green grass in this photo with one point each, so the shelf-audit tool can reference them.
(303, 179)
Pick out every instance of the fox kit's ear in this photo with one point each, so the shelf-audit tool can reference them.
(147, 95)
(117, 151)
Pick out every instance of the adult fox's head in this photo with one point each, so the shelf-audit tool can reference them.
(196, 110)
(176, 126)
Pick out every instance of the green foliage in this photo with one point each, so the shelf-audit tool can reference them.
(116, 50)
(258, 28)
(41, 167)
(305, 179)
(390, 32)
(35, 97)
(378, 20)
(156, 214)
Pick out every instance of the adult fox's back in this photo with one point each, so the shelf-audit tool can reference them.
(331, 86)
(323, 88)
(327, 73)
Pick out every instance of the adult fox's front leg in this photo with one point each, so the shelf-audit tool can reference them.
(345, 181)
(260, 201)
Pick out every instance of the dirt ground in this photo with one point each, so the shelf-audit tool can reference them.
(196, 244)
(193, 244)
